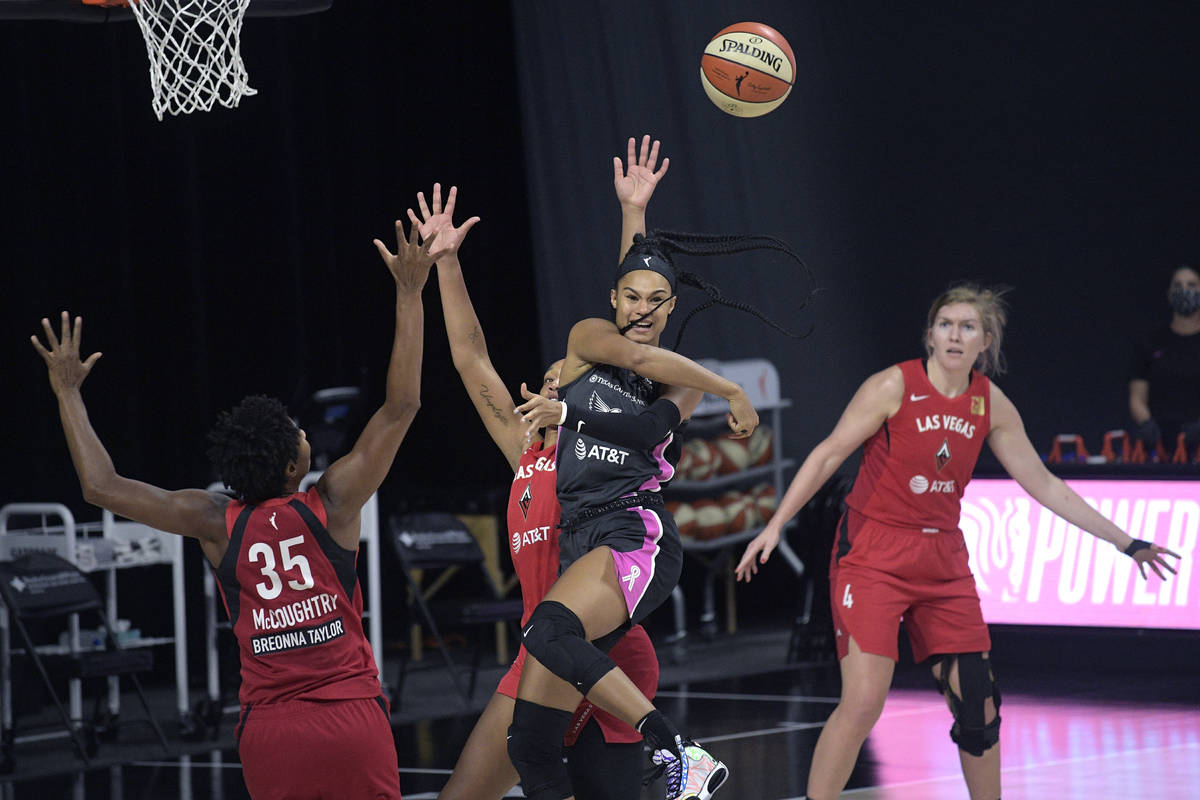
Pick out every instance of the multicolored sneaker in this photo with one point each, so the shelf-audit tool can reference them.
(695, 776)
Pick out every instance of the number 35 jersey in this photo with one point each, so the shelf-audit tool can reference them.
(293, 599)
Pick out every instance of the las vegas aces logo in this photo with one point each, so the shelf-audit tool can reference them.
(942, 456)
(525, 499)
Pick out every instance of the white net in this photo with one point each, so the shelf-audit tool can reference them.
(195, 60)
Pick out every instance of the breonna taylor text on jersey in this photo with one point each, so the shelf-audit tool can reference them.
(592, 472)
(294, 602)
(916, 466)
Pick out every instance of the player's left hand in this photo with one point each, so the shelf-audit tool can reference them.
(1146, 553)
(635, 184)
(62, 355)
(537, 412)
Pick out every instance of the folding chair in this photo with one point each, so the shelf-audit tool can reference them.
(42, 586)
(437, 541)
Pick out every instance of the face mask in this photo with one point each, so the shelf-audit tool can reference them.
(1184, 301)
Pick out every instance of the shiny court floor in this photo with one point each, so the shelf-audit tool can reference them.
(1064, 737)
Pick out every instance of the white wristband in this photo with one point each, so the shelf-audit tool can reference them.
(562, 420)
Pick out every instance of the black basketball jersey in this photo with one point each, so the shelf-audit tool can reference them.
(591, 471)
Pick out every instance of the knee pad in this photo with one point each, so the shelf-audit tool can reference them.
(971, 732)
(536, 750)
(555, 637)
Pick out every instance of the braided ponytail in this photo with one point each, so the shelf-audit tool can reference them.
(663, 244)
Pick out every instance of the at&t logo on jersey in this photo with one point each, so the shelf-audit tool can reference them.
(919, 484)
(599, 452)
(522, 539)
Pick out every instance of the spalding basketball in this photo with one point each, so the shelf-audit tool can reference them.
(711, 520)
(685, 518)
(703, 459)
(747, 69)
(734, 455)
(766, 500)
(742, 510)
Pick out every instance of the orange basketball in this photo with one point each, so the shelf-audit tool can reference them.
(711, 519)
(747, 69)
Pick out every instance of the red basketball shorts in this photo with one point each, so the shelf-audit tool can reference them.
(318, 749)
(635, 655)
(880, 574)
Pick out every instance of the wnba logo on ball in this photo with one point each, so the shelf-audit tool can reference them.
(918, 484)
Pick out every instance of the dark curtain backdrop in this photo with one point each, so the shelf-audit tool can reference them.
(227, 253)
(1047, 146)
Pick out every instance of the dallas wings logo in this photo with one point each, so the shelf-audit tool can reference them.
(595, 403)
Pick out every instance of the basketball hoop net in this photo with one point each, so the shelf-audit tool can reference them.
(193, 46)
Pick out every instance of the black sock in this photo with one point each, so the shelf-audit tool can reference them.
(658, 731)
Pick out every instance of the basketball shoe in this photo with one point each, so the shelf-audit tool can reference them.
(690, 772)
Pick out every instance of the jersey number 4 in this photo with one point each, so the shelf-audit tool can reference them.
(847, 598)
(261, 551)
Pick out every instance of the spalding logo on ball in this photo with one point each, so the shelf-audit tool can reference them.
(747, 69)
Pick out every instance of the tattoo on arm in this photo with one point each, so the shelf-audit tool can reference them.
(487, 398)
(473, 336)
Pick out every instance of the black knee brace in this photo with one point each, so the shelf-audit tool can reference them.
(555, 637)
(535, 748)
(975, 680)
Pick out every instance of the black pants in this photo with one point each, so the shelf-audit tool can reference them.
(603, 771)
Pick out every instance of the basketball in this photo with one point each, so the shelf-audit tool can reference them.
(685, 518)
(742, 510)
(703, 459)
(766, 500)
(759, 446)
(734, 455)
(747, 69)
(711, 520)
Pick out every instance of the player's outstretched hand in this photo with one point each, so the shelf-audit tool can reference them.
(757, 552)
(537, 412)
(410, 263)
(636, 181)
(61, 354)
(438, 219)
(1149, 554)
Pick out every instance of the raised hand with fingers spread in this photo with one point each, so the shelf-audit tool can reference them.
(61, 354)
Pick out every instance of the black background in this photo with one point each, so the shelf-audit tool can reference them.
(1050, 147)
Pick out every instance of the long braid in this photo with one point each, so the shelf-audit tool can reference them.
(665, 243)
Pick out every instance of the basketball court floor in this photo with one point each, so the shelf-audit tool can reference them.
(1069, 735)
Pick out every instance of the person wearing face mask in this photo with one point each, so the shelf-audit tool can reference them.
(1164, 374)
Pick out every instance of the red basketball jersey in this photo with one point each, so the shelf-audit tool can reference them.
(293, 598)
(533, 517)
(916, 466)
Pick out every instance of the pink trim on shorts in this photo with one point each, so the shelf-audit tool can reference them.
(635, 569)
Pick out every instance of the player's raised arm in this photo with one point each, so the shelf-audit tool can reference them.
(188, 512)
(634, 183)
(352, 479)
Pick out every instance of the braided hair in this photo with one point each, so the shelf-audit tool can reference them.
(654, 251)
